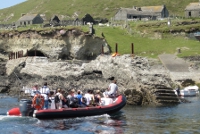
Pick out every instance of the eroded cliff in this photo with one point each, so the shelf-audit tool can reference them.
(53, 43)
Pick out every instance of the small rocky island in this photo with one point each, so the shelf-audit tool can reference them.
(74, 59)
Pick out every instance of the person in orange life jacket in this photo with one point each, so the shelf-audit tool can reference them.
(45, 91)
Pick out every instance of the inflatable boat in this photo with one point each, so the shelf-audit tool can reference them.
(109, 106)
(188, 91)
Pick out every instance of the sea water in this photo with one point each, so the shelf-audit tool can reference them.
(183, 118)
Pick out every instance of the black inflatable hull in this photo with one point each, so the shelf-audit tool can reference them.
(81, 112)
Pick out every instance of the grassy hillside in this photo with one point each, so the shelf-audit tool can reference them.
(143, 45)
(97, 8)
(148, 47)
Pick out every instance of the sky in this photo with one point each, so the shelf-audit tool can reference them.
(8, 3)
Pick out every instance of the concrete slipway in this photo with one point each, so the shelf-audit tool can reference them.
(179, 68)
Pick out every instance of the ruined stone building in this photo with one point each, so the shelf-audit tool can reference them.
(139, 13)
(29, 19)
(192, 10)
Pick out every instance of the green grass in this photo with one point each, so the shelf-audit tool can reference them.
(145, 46)
(98, 9)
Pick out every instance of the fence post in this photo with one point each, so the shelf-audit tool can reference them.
(102, 49)
(116, 48)
(17, 55)
(27, 53)
(132, 48)
(13, 56)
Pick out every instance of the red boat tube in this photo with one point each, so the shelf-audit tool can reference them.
(15, 111)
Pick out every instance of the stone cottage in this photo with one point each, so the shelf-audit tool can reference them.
(192, 10)
(139, 13)
(88, 18)
(29, 19)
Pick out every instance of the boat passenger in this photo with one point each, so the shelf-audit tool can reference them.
(113, 89)
(178, 90)
(72, 101)
(60, 101)
(51, 100)
(92, 102)
(81, 103)
(105, 94)
(97, 98)
(45, 93)
(35, 90)
(88, 98)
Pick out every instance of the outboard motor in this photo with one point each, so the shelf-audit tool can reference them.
(25, 107)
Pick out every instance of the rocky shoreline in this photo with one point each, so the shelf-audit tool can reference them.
(75, 60)
(143, 81)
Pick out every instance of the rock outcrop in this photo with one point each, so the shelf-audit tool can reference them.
(141, 82)
(72, 59)
(54, 44)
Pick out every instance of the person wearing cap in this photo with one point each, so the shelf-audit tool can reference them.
(113, 89)
(45, 91)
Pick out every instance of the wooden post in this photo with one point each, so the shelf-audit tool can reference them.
(116, 48)
(179, 50)
(132, 48)
(27, 53)
(9, 56)
(16, 55)
(102, 49)
(13, 56)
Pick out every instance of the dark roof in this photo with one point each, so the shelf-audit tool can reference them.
(193, 6)
(28, 17)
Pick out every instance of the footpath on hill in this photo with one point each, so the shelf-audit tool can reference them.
(179, 69)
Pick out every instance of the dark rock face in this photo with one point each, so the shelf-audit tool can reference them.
(4, 85)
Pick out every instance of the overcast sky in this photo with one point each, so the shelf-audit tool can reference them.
(9, 3)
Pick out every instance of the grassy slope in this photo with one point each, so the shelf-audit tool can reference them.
(107, 8)
(146, 46)
(102, 8)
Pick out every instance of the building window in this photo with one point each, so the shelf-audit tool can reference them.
(28, 22)
(189, 14)
(129, 16)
